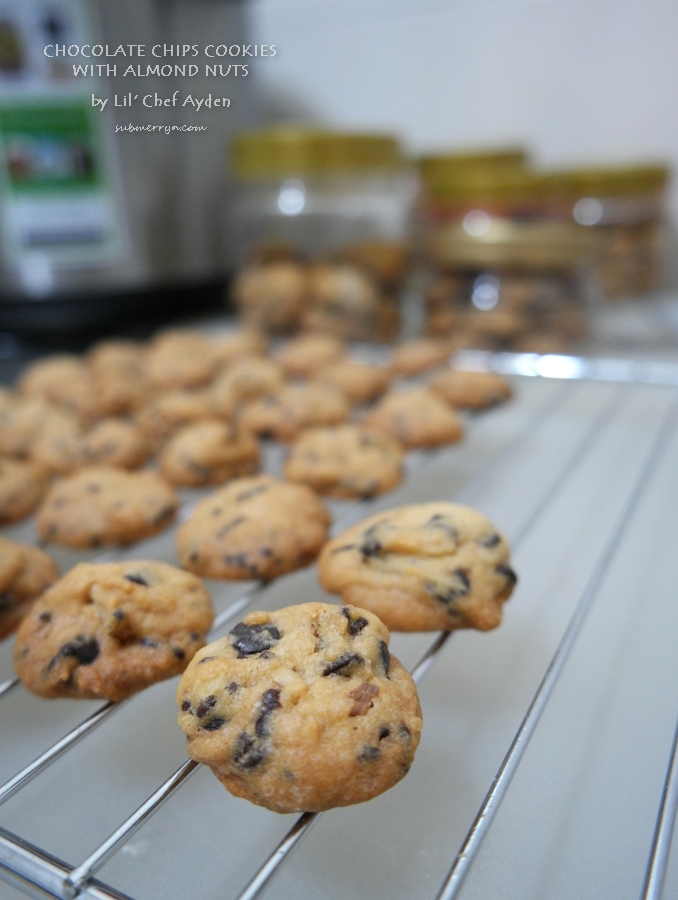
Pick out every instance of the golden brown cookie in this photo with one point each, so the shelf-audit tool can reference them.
(25, 572)
(271, 297)
(420, 355)
(21, 418)
(164, 413)
(209, 452)
(346, 461)
(22, 486)
(179, 358)
(285, 413)
(417, 418)
(471, 390)
(110, 629)
(100, 505)
(302, 356)
(302, 709)
(422, 567)
(253, 528)
(360, 382)
(244, 380)
(234, 346)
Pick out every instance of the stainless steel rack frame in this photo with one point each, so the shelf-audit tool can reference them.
(547, 767)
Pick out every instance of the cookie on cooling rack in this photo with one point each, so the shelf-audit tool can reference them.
(417, 418)
(25, 572)
(108, 630)
(361, 382)
(284, 413)
(256, 527)
(346, 461)
(471, 390)
(22, 486)
(423, 567)
(302, 709)
(209, 452)
(102, 506)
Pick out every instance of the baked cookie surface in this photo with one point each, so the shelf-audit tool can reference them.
(419, 355)
(471, 390)
(302, 709)
(422, 567)
(25, 572)
(209, 452)
(253, 528)
(303, 355)
(361, 382)
(346, 461)
(110, 629)
(100, 506)
(417, 418)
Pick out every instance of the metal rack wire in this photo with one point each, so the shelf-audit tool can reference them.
(543, 454)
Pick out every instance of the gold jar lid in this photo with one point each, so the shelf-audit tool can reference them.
(505, 244)
(609, 181)
(478, 187)
(436, 166)
(281, 152)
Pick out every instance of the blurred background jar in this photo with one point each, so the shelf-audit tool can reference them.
(624, 208)
(318, 228)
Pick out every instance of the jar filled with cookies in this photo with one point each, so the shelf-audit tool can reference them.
(516, 286)
(624, 209)
(319, 228)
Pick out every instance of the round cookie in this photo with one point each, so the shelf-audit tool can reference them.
(253, 528)
(110, 629)
(471, 390)
(164, 413)
(417, 418)
(22, 486)
(271, 296)
(100, 505)
(423, 567)
(179, 359)
(231, 347)
(64, 446)
(21, 419)
(360, 382)
(346, 461)
(246, 379)
(302, 709)
(302, 356)
(209, 452)
(25, 572)
(285, 413)
(420, 355)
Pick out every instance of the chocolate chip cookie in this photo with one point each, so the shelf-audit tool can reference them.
(471, 390)
(361, 382)
(25, 572)
(283, 414)
(417, 418)
(423, 567)
(346, 461)
(100, 506)
(302, 709)
(300, 357)
(253, 528)
(209, 452)
(110, 629)
(419, 355)
(22, 486)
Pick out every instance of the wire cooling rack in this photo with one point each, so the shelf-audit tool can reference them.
(547, 763)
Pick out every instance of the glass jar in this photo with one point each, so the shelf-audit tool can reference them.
(625, 211)
(304, 198)
(517, 286)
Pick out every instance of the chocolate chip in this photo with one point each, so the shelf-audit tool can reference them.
(137, 579)
(248, 639)
(229, 526)
(507, 572)
(232, 687)
(85, 651)
(371, 547)
(439, 521)
(148, 642)
(266, 552)
(186, 705)
(341, 549)
(194, 636)
(236, 559)
(179, 653)
(194, 556)
(385, 656)
(45, 617)
(251, 493)
(490, 540)
(355, 626)
(363, 698)
(384, 732)
(369, 754)
(214, 724)
(205, 705)
(270, 700)
(342, 663)
(248, 754)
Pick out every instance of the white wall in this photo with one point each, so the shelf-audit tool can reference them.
(577, 81)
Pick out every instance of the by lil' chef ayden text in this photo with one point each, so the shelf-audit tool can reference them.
(155, 100)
